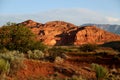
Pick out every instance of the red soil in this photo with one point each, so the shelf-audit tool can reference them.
(35, 69)
(74, 65)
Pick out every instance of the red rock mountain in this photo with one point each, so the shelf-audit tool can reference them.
(64, 33)
(94, 35)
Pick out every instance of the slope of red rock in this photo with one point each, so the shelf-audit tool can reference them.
(54, 32)
(92, 34)
(64, 33)
(58, 32)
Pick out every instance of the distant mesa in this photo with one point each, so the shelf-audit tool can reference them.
(64, 33)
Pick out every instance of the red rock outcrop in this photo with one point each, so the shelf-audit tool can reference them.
(54, 32)
(94, 35)
(58, 32)
(31, 23)
(64, 33)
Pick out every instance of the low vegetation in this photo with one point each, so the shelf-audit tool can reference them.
(56, 52)
(114, 44)
(4, 66)
(10, 62)
(100, 71)
(88, 47)
(35, 54)
(18, 37)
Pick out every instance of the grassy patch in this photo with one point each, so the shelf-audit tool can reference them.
(101, 72)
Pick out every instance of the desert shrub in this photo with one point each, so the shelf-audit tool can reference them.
(14, 59)
(4, 66)
(56, 52)
(4, 69)
(38, 46)
(101, 72)
(12, 55)
(36, 54)
(18, 37)
(88, 47)
(59, 60)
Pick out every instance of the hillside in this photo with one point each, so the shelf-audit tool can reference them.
(54, 32)
(94, 35)
(64, 33)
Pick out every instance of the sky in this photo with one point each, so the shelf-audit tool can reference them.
(74, 11)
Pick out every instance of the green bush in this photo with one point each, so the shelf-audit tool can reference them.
(88, 47)
(101, 72)
(18, 37)
(12, 55)
(13, 60)
(36, 54)
(4, 66)
(38, 46)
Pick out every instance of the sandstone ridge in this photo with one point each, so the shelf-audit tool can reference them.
(64, 33)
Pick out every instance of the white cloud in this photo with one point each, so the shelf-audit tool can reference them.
(111, 19)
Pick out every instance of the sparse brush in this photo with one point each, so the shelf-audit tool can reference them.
(59, 60)
(101, 72)
(36, 54)
(54, 52)
(12, 61)
(4, 66)
(88, 47)
(106, 52)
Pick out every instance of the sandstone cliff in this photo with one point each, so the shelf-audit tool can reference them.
(54, 32)
(94, 35)
(64, 33)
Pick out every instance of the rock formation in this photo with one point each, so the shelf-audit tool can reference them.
(94, 35)
(64, 33)
(53, 33)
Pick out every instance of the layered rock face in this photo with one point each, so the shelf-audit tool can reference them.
(64, 33)
(94, 35)
(53, 33)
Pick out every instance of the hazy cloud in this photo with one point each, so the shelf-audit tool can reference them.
(111, 19)
(76, 16)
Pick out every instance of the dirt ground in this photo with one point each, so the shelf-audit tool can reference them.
(72, 66)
